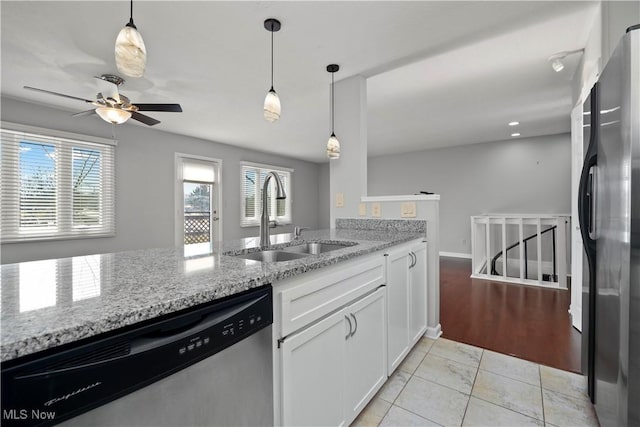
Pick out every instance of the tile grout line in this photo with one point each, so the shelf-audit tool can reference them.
(508, 409)
(472, 385)
(385, 412)
(416, 414)
(542, 396)
(504, 407)
(403, 387)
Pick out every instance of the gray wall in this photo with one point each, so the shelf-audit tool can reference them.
(324, 197)
(145, 184)
(529, 175)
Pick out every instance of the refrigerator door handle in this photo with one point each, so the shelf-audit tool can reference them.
(586, 195)
(592, 194)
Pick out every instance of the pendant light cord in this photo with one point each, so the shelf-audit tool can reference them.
(332, 105)
(271, 55)
(131, 24)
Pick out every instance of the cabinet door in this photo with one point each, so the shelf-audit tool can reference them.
(313, 368)
(366, 352)
(397, 307)
(418, 292)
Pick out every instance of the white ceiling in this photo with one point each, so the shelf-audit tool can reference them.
(439, 73)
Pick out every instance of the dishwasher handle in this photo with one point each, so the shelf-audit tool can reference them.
(149, 341)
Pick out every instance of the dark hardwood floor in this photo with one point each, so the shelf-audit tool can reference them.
(528, 322)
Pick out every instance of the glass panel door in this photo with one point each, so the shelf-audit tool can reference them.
(197, 213)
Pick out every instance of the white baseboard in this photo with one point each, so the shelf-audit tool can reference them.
(433, 332)
(455, 255)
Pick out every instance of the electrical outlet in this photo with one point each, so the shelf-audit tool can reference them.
(340, 200)
(362, 209)
(375, 210)
(408, 210)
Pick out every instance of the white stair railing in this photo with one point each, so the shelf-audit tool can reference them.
(529, 249)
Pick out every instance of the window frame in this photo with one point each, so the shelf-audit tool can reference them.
(66, 143)
(216, 195)
(260, 168)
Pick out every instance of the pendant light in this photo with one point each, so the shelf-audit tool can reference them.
(333, 145)
(272, 101)
(131, 54)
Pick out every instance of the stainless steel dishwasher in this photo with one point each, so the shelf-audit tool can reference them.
(206, 366)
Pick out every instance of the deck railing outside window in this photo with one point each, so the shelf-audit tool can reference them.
(197, 227)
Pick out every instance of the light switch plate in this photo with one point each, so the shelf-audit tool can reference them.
(408, 210)
(340, 200)
(375, 210)
(362, 209)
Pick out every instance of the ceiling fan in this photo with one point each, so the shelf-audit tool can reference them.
(115, 108)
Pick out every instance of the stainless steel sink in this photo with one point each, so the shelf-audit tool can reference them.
(272, 256)
(316, 248)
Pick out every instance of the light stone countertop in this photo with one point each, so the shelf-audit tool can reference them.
(52, 302)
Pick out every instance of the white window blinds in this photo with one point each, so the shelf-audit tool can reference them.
(55, 187)
(252, 177)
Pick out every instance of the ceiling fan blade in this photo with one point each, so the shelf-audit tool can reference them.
(144, 119)
(84, 113)
(58, 94)
(170, 108)
(108, 89)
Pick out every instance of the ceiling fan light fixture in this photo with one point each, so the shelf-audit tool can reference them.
(112, 115)
(272, 108)
(333, 145)
(131, 53)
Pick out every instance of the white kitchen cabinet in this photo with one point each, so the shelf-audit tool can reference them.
(330, 331)
(397, 274)
(418, 292)
(366, 359)
(313, 372)
(331, 369)
(406, 279)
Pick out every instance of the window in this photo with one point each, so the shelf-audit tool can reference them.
(252, 179)
(55, 185)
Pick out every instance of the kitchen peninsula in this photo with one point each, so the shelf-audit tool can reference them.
(83, 299)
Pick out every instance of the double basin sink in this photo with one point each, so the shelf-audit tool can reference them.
(295, 251)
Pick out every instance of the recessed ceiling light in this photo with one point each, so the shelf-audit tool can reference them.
(514, 123)
(515, 134)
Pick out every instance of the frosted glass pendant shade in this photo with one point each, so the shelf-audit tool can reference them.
(115, 116)
(333, 147)
(131, 54)
(272, 106)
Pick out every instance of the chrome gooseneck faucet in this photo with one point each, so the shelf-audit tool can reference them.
(265, 241)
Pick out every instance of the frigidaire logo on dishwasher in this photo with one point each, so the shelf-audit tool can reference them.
(73, 393)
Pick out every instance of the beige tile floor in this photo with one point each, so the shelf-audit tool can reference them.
(448, 383)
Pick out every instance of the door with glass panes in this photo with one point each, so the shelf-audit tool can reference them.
(198, 218)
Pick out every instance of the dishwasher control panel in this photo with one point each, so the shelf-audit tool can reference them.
(243, 324)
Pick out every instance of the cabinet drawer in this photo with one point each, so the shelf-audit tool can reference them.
(317, 297)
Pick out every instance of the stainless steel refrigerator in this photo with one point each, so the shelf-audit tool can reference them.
(609, 211)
